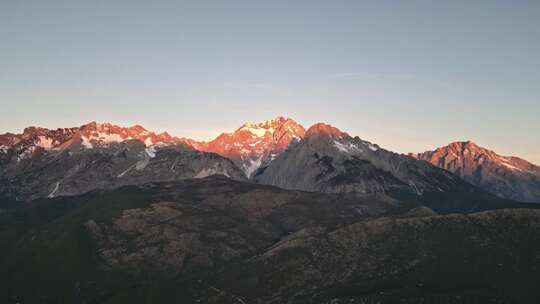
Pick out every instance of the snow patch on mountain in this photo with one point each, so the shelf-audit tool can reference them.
(347, 147)
(44, 142)
(56, 187)
(150, 151)
(125, 171)
(109, 137)
(507, 162)
(509, 166)
(372, 147)
(211, 171)
(86, 142)
(26, 153)
(256, 130)
(252, 166)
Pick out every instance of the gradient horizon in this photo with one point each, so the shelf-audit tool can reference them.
(408, 76)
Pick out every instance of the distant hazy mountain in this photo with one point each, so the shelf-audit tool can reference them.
(508, 177)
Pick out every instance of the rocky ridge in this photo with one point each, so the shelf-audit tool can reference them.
(52, 173)
(215, 240)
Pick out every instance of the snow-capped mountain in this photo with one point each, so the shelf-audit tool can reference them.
(255, 144)
(36, 137)
(102, 134)
(506, 176)
(91, 135)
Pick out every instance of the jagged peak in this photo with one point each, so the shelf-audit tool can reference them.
(138, 128)
(279, 120)
(466, 147)
(464, 144)
(91, 124)
(270, 126)
(268, 123)
(110, 127)
(32, 130)
(96, 126)
(322, 129)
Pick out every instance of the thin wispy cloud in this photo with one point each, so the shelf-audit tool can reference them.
(394, 77)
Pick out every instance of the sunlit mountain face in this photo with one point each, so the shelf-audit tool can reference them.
(91, 135)
(255, 144)
(506, 176)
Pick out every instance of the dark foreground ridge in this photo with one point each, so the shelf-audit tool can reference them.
(215, 240)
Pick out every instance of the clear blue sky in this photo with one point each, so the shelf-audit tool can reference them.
(409, 75)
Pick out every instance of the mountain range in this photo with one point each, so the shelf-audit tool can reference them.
(270, 213)
(280, 152)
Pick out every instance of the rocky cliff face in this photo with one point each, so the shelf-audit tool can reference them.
(52, 173)
(507, 177)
